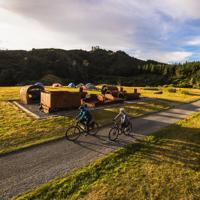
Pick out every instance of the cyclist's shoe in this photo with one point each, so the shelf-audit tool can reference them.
(127, 129)
(92, 125)
(85, 133)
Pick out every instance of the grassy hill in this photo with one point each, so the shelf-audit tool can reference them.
(165, 165)
(99, 66)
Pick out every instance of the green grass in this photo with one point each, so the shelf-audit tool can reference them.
(183, 95)
(137, 109)
(165, 165)
(9, 93)
(17, 130)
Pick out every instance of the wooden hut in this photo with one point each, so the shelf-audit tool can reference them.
(59, 100)
(30, 94)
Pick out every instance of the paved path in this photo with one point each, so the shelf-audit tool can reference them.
(21, 171)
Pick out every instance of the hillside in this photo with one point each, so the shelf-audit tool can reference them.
(19, 67)
(165, 165)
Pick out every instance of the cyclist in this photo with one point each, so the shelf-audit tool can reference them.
(84, 117)
(124, 120)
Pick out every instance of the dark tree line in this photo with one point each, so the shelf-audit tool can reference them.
(98, 66)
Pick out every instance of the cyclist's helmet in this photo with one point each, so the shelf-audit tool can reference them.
(83, 107)
(122, 110)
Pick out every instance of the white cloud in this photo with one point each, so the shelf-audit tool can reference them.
(179, 9)
(18, 33)
(194, 42)
(167, 57)
(152, 28)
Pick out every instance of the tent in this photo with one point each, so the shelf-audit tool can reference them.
(90, 86)
(39, 84)
(80, 85)
(56, 85)
(72, 85)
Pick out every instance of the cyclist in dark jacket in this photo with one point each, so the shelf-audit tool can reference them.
(84, 117)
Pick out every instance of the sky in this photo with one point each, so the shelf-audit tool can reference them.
(163, 30)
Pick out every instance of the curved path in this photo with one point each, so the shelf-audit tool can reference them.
(24, 170)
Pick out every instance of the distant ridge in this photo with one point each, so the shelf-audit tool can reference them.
(19, 67)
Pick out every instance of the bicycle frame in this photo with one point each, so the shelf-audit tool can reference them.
(85, 125)
(118, 126)
(80, 126)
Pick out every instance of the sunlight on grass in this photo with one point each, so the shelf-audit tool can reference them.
(136, 109)
(9, 93)
(182, 95)
(17, 130)
(165, 165)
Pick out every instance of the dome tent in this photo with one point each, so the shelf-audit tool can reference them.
(80, 85)
(39, 84)
(56, 85)
(90, 86)
(72, 85)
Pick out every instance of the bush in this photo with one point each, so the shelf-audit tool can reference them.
(172, 90)
(158, 92)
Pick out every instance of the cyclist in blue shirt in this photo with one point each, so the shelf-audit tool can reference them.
(84, 117)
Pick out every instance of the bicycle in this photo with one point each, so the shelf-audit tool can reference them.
(117, 130)
(74, 131)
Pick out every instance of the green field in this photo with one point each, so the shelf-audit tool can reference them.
(165, 165)
(182, 95)
(18, 130)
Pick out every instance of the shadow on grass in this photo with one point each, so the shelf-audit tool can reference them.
(175, 102)
(179, 147)
(192, 94)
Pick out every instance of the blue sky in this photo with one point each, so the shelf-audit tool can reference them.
(163, 30)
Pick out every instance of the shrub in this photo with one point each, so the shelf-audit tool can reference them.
(158, 92)
(172, 90)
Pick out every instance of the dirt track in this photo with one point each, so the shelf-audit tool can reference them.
(21, 171)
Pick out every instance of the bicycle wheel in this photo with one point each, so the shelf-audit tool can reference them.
(94, 128)
(113, 133)
(72, 133)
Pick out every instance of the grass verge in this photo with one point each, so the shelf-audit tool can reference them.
(182, 95)
(18, 131)
(165, 165)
